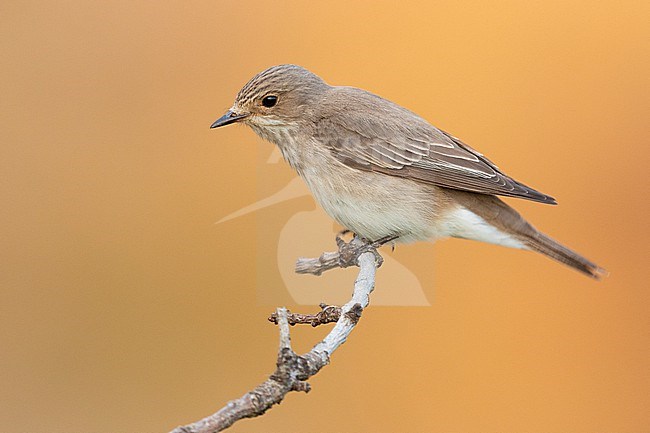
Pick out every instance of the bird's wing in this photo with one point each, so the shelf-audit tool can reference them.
(396, 142)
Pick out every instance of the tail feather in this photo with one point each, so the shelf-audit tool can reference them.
(543, 244)
(498, 214)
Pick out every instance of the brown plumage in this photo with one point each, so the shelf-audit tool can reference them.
(505, 218)
(397, 142)
(380, 170)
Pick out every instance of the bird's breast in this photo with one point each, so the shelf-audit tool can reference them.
(370, 204)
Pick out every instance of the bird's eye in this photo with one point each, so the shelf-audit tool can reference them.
(269, 101)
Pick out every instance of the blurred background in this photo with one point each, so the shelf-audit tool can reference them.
(125, 308)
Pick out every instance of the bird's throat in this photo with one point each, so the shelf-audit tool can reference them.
(287, 140)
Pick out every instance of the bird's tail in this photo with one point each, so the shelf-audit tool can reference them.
(501, 216)
(549, 247)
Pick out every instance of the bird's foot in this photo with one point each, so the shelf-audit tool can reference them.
(341, 235)
(349, 252)
(347, 255)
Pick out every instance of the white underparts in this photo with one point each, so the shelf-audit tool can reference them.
(462, 223)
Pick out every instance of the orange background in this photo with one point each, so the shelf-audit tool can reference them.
(125, 309)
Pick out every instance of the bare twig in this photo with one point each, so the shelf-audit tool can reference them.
(328, 314)
(293, 370)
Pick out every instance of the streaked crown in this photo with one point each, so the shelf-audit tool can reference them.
(282, 79)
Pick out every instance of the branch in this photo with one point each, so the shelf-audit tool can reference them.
(328, 314)
(293, 370)
(345, 257)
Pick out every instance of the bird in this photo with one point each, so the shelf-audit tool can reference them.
(383, 172)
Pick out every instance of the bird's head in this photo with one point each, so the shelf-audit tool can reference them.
(278, 97)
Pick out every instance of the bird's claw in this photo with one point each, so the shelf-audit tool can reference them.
(349, 252)
(339, 238)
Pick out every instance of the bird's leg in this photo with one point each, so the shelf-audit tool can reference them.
(383, 241)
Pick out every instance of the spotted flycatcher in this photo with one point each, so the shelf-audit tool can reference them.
(380, 170)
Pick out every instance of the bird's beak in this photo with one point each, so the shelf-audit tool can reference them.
(227, 119)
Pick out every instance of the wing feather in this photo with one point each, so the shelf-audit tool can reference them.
(397, 142)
